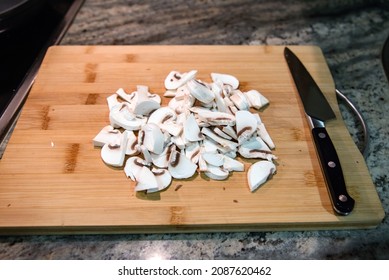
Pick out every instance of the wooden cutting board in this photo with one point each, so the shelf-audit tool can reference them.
(52, 179)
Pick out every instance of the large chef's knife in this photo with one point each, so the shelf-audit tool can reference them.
(318, 111)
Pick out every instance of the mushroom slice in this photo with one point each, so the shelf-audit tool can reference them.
(145, 107)
(162, 115)
(181, 167)
(216, 118)
(216, 172)
(107, 135)
(192, 151)
(200, 91)
(182, 105)
(132, 143)
(163, 178)
(229, 145)
(121, 116)
(170, 93)
(255, 99)
(125, 96)
(113, 153)
(153, 138)
(192, 130)
(145, 180)
(214, 159)
(230, 131)
(256, 148)
(133, 166)
(259, 173)
(145, 103)
(226, 79)
(239, 100)
(231, 164)
(262, 132)
(220, 104)
(112, 101)
(162, 160)
(246, 125)
(219, 131)
(175, 79)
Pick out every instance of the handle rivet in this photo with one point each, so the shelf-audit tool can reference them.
(331, 164)
(343, 198)
(322, 135)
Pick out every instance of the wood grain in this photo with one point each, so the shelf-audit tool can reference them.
(52, 179)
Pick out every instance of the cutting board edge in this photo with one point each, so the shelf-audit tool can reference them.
(190, 228)
(172, 229)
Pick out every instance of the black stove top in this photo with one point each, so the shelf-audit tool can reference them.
(22, 49)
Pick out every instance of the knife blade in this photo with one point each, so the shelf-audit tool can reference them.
(318, 111)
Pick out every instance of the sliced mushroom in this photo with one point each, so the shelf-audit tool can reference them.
(180, 167)
(175, 79)
(239, 100)
(255, 147)
(231, 164)
(113, 153)
(192, 151)
(125, 96)
(220, 103)
(162, 160)
(112, 101)
(259, 173)
(216, 172)
(230, 131)
(133, 166)
(153, 138)
(200, 91)
(163, 178)
(216, 118)
(192, 130)
(107, 135)
(229, 145)
(214, 159)
(246, 125)
(146, 180)
(226, 79)
(219, 131)
(121, 116)
(182, 105)
(256, 99)
(262, 132)
(132, 143)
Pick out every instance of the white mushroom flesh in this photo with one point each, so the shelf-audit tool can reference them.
(203, 128)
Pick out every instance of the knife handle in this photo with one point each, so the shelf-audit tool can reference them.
(342, 202)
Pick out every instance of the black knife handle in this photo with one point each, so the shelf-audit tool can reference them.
(342, 202)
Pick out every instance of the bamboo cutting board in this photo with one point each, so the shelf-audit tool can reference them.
(52, 179)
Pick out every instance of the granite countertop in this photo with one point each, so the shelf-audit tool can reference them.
(351, 34)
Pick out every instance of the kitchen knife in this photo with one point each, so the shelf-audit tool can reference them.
(318, 111)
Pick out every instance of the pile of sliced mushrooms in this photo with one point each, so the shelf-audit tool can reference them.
(203, 129)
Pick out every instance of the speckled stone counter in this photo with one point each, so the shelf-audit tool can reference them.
(351, 34)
